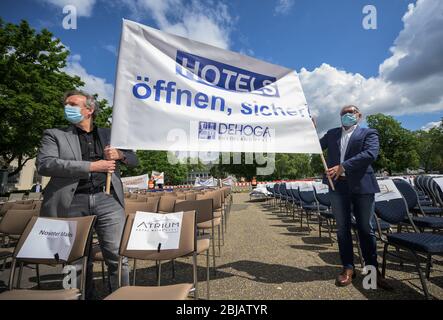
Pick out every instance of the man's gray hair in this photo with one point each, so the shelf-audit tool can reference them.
(350, 106)
(90, 100)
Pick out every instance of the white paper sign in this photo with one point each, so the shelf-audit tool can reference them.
(49, 238)
(388, 191)
(159, 177)
(173, 93)
(320, 187)
(439, 181)
(151, 229)
(305, 186)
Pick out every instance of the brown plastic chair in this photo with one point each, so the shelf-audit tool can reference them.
(187, 245)
(191, 196)
(166, 204)
(79, 251)
(13, 224)
(16, 206)
(218, 216)
(204, 213)
(133, 207)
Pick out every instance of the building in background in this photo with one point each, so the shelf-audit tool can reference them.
(26, 178)
(194, 174)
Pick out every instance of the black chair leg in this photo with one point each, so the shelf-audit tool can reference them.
(330, 231)
(385, 252)
(360, 255)
(428, 266)
(422, 277)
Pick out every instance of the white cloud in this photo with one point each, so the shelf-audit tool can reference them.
(283, 7)
(408, 82)
(93, 84)
(84, 7)
(111, 48)
(206, 21)
(431, 125)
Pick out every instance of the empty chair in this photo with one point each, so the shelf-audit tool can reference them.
(35, 195)
(79, 252)
(416, 243)
(204, 214)
(16, 206)
(310, 205)
(191, 196)
(16, 196)
(13, 224)
(421, 219)
(326, 215)
(187, 246)
(166, 204)
(133, 207)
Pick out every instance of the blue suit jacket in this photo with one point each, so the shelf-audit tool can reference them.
(362, 151)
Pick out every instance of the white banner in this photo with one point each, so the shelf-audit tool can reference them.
(153, 231)
(139, 182)
(173, 93)
(388, 191)
(210, 182)
(49, 238)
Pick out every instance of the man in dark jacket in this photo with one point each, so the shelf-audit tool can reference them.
(351, 151)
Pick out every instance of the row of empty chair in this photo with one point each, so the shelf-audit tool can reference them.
(417, 217)
(205, 211)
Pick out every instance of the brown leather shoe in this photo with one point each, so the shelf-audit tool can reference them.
(345, 277)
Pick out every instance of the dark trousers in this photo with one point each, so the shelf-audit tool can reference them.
(344, 205)
(109, 228)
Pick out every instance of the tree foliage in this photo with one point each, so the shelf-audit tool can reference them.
(430, 148)
(31, 85)
(158, 161)
(398, 146)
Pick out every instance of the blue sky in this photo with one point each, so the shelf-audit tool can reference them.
(323, 40)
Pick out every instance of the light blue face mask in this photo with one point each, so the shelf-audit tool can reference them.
(73, 114)
(349, 119)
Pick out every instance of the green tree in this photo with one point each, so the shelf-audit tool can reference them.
(317, 165)
(241, 169)
(430, 148)
(398, 146)
(287, 166)
(158, 161)
(104, 117)
(31, 85)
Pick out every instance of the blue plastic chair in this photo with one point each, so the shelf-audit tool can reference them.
(416, 243)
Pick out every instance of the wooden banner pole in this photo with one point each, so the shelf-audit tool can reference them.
(108, 182)
(326, 171)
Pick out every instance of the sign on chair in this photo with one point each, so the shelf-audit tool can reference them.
(388, 191)
(320, 188)
(154, 231)
(49, 239)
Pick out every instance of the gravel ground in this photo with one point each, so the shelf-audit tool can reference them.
(267, 255)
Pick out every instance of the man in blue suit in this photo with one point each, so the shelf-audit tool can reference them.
(351, 151)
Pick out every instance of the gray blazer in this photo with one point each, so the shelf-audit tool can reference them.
(60, 158)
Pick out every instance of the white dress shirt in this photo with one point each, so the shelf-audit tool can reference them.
(345, 137)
